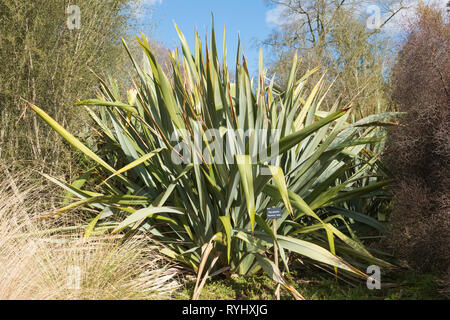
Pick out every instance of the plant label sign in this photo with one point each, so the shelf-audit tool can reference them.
(274, 213)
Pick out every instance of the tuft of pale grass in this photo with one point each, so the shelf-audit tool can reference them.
(38, 264)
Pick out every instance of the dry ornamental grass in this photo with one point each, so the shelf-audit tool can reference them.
(34, 264)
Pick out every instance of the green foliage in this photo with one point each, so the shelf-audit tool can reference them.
(210, 215)
(46, 63)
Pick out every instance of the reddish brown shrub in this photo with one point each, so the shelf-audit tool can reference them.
(418, 152)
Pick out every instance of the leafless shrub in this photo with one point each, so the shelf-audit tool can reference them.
(418, 153)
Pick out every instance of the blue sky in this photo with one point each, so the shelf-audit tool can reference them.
(247, 17)
(253, 19)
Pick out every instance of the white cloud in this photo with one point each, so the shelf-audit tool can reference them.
(401, 19)
(153, 2)
(141, 9)
(279, 16)
(275, 16)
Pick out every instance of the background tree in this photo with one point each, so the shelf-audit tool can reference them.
(47, 60)
(334, 35)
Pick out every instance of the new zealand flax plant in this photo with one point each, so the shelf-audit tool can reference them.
(195, 158)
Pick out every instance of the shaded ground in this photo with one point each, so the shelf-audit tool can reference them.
(318, 286)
